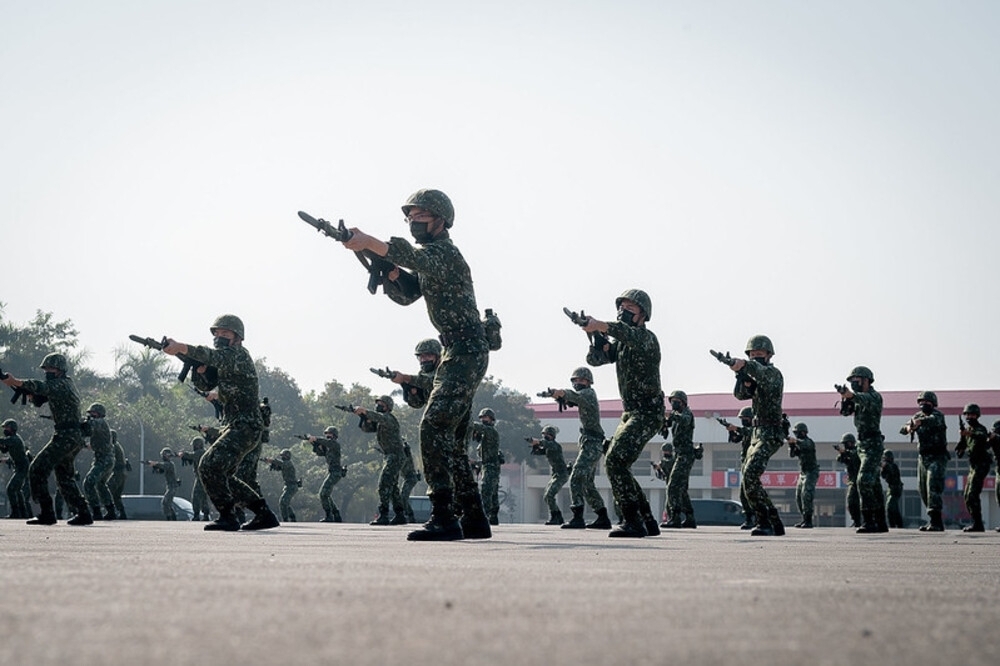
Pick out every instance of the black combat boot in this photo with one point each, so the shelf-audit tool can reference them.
(651, 524)
(631, 527)
(336, 516)
(226, 522)
(977, 522)
(763, 527)
(880, 523)
(868, 525)
(776, 525)
(602, 522)
(674, 522)
(475, 524)
(748, 521)
(82, 517)
(120, 512)
(689, 522)
(577, 522)
(291, 516)
(383, 516)
(263, 518)
(46, 516)
(328, 518)
(934, 523)
(807, 521)
(111, 513)
(555, 518)
(494, 518)
(443, 525)
(399, 516)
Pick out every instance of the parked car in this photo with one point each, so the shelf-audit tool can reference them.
(717, 512)
(421, 507)
(148, 507)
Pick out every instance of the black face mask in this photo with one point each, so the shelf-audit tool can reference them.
(380, 408)
(549, 438)
(927, 408)
(746, 422)
(577, 386)
(419, 232)
(677, 405)
(856, 386)
(762, 360)
(626, 317)
(220, 343)
(972, 418)
(8, 433)
(50, 375)
(428, 366)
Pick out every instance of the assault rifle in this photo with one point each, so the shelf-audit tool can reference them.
(846, 404)
(547, 393)
(22, 394)
(960, 448)
(189, 363)
(597, 340)
(387, 373)
(723, 358)
(215, 403)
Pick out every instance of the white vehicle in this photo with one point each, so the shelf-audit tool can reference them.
(149, 507)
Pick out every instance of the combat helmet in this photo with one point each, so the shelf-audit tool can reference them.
(889, 455)
(929, 396)
(198, 443)
(680, 395)
(745, 413)
(760, 343)
(550, 430)
(98, 408)
(486, 411)
(229, 322)
(849, 438)
(862, 372)
(583, 373)
(386, 400)
(57, 361)
(640, 298)
(667, 447)
(166, 453)
(10, 423)
(972, 409)
(286, 454)
(428, 346)
(330, 430)
(435, 202)
(800, 426)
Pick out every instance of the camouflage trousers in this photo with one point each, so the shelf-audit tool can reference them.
(199, 499)
(388, 482)
(581, 479)
(930, 478)
(246, 470)
(869, 475)
(218, 467)
(974, 488)
(57, 456)
(332, 478)
(853, 502)
(631, 436)
(445, 421)
(765, 443)
(490, 488)
(117, 486)
(406, 489)
(892, 503)
(167, 503)
(552, 488)
(95, 484)
(285, 501)
(805, 491)
(15, 491)
(744, 500)
(678, 497)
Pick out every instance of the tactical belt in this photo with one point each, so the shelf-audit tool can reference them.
(759, 423)
(596, 434)
(873, 435)
(449, 338)
(653, 403)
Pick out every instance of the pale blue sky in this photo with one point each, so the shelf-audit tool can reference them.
(823, 173)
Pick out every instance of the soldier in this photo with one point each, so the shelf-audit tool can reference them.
(559, 473)
(680, 424)
(662, 470)
(847, 455)
(974, 440)
(802, 447)
(328, 448)
(410, 477)
(95, 484)
(14, 447)
(581, 480)
(485, 433)
(165, 466)
(865, 403)
(387, 440)
(199, 498)
(118, 474)
(636, 355)
(742, 434)
(229, 371)
(929, 427)
(758, 380)
(890, 472)
(417, 388)
(283, 463)
(444, 280)
(60, 452)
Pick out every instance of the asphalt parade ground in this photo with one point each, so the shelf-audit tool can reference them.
(311, 593)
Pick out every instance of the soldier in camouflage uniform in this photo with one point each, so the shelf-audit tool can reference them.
(847, 455)
(929, 426)
(95, 483)
(974, 440)
(12, 445)
(485, 433)
(67, 441)
(328, 448)
(581, 482)
(636, 355)
(890, 472)
(408, 472)
(165, 466)
(283, 463)
(865, 403)
(390, 443)
(680, 424)
(119, 472)
(230, 373)
(559, 473)
(199, 498)
(994, 441)
(662, 470)
(442, 277)
(742, 434)
(758, 380)
(802, 446)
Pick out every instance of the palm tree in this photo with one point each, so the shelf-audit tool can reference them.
(144, 372)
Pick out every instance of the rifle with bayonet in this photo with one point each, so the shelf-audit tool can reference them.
(189, 363)
(22, 394)
(215, 403)
(548, 393)
(598, 340)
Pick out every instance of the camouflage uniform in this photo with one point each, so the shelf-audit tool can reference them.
(663, 470)
(290, 488)
(239, 437)
(850, 459)
(489, 453)
(390, 443)
(330, 452)
(890, 472)
(581, 480)
(636, 355)
(95, 483)
(553, 452)
(410, 477)
(13, 446)
(60, 452)
(169, 472)
(933, 460)
(446, 286)
(199, 498)
(680, 425)
(805, 489)
(119, 472)
(980, 461)
(768, 434)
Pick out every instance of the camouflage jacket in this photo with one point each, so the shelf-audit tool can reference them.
(868, 415)
(236, 381)
(590, 411)
(890, 472)
(416, 392)
(64, 401)
(120, 461)
(489, 442)
(387, 436)
(636, 355)
(100, 438)
(931, 433)
(680, 425)
(15, 448)
(287, 470)
(850, 459)
(166, 468)
(770, 388)
(331, 454)
(408, 471)
(446, 286)
(193, 457)
(977, 445)
(805, 450)
(552, 450)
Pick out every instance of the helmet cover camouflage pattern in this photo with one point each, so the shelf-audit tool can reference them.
(640, 298)
(434, 202)
(230, 323)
